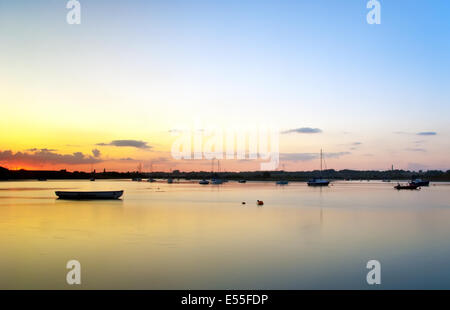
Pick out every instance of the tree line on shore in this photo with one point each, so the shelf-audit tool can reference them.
(346, 174)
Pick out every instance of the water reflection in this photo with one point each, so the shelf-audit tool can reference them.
(179, 236)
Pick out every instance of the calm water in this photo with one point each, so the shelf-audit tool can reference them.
(188, 236)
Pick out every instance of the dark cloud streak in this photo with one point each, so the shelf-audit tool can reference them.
(302, 130)
(127, 143)
(309, 156)
(427, 133)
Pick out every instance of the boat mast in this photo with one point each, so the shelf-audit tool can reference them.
(320, 161)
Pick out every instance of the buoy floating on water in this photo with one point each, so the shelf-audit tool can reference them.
(243, 202)
(259, 202)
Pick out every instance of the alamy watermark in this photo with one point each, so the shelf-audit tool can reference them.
(73, 17)
(74, 275)
(74, 14)
(374, 15)
(374, 275)
(210, 144)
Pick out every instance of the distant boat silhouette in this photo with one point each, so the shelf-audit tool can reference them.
(320, 181)
(420, 182)
(282, 182)
(242, 181)
(89, 195)
(409, 186)
(203, 182)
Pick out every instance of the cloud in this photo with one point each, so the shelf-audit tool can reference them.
(127, 159)
(297, 156)
(96, 153)
(309, 156)
(160, 160)
(422, 133)
(355, 145)
(427, 133)
(156, 160)
(416, 149)
(36, 149)
(131, 143)
(41, 157)
(302, 130)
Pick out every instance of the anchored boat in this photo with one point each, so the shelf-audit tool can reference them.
(89, 195)
(282, 182)
(409, 186)
(320, 181)
(420, 182)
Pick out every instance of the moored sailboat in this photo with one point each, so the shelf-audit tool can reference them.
(419, 182)
(319, 181)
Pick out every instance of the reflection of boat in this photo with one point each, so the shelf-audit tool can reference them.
(409, 186)
(242, 181)
(420, 182)
(320, 181)
(89, 195)
(282, 182)
(203, 182)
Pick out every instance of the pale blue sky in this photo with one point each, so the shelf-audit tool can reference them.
(292, 63)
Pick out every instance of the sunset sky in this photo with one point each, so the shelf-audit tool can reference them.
(111, 92)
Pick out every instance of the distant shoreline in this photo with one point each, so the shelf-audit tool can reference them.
(299, 176)
(195, 181)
